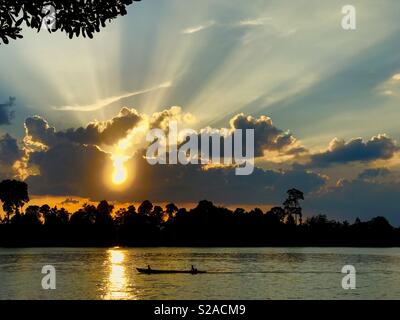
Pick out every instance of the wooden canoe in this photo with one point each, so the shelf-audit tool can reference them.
(155, 271)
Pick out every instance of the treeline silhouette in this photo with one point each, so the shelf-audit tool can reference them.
(204, 225)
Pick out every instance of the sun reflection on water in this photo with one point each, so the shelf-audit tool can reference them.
(117, 285)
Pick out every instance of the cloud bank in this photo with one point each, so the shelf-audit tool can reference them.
(79, 161)
(380, 147)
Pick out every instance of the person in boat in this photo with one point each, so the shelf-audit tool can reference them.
(148, 268)
(194, 270)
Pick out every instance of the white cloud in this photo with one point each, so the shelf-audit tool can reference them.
(254, 22)
(396, 77)
(198, 28)
(390, 87)
(107, 101)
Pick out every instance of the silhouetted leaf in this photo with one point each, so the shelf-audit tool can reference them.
(19, 22)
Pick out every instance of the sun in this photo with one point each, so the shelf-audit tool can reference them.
(120, 173)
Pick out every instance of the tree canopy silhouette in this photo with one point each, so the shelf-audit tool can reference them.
(13, 194)
(73, 17)
(204, 225)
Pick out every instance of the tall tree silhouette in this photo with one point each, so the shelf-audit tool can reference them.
(13, 194)
(145, 208)
(104, 210)
(292, 206)
(31, 216)
(74, 17)
(157, 215)
(170, 209)
(47, 213)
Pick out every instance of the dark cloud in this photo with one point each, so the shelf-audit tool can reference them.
(96, 133)
(39, 130)
(6, 114)
(379, 147)
(267, 137)
(358, 198)
(193, 182)
(9, 153)
(69, 201)
(78, 170)
(106, 132)
(374, 173)
(68, 168)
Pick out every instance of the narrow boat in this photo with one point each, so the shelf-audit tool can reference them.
(155, 271)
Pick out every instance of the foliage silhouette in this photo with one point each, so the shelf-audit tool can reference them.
(74, 17)
(13, 194)
(204, 225)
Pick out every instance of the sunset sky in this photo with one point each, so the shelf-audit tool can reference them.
(284, 68)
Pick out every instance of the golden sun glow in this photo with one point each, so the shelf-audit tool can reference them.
(116, 257)
(120, 173)
(117, 285)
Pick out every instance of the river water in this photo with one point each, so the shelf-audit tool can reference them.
(233, 273)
